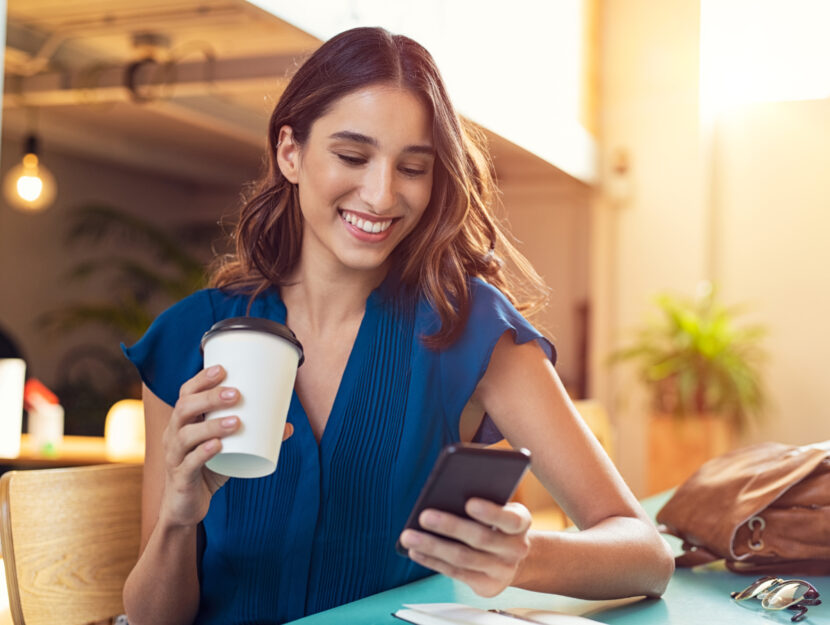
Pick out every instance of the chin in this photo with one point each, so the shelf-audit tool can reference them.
(364, 262)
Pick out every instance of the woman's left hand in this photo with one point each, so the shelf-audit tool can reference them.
(490, 550)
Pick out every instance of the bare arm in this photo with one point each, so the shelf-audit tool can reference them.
(618, 552)
(163, 588)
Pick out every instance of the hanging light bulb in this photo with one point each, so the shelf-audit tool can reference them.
(29, 186)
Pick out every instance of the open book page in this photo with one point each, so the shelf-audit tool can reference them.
(584, 610)
(460, 614)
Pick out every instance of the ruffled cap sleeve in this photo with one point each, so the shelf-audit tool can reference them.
(465, 362)
(168, 354)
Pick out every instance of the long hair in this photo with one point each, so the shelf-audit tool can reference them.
(457, 237)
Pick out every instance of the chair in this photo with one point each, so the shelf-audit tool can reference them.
(69, 539)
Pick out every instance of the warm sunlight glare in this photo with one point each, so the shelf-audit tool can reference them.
(515, 68)
(763, 51)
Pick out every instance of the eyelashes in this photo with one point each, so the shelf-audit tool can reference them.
(351, 160)
(357, 161)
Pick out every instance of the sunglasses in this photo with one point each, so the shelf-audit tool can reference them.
(779, 594)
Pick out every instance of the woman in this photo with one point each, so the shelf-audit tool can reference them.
(372, 236)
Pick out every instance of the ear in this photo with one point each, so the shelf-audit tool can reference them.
(288, 155)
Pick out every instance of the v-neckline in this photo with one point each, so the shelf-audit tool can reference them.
(346, 384)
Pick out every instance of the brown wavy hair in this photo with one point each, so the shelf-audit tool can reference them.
(457, 237)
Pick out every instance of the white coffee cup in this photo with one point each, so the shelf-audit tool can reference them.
(12, 380)
(261, 358)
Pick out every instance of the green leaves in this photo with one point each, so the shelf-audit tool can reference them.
(145, 268)
(697, 360)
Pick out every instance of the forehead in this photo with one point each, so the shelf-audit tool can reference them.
(392, 115)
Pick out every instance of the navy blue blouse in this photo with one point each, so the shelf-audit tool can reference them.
(321, 530)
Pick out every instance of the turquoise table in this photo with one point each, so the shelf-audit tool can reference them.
(694, 597)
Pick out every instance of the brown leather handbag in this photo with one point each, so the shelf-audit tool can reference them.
(762, 508)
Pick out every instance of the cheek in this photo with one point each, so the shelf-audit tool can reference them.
(322, 179)
(420, 196)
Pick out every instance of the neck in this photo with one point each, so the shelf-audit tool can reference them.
(320, 301)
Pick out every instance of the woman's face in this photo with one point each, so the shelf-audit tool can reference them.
(364, 177)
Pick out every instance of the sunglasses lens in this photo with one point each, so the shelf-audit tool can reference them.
(785, 595)
(756, 588)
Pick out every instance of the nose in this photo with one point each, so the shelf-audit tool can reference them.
(378, 189)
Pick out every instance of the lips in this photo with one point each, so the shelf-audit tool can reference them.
(364, 225)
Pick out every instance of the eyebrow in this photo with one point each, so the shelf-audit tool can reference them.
(356, 137)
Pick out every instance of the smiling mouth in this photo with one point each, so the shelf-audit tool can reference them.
(366, 225)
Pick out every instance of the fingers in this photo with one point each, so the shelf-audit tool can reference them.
(205, 379)
(512, 518)
(187, 428)
(194, 434)
(485, 538)
(486, 573)
(191, 407)
(287, 432)
(190, 468)
(485, 553)
(481, 583)
(454, 554)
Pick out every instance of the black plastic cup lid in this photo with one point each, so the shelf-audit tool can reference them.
(254, 324)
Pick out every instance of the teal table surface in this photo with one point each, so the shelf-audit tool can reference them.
(693, 597)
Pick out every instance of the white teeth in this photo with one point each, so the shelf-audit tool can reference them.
(366, 225)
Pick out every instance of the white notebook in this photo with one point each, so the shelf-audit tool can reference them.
(460, 614)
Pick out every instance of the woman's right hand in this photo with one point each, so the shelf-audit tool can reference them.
(190, 441)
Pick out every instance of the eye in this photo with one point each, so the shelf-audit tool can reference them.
(352, 160)
(412, 172)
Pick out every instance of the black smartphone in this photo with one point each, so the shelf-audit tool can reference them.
(467, 470)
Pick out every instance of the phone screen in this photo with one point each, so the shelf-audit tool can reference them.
(468, 470)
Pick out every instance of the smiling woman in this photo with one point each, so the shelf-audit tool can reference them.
(372, 236)
(459, 231)
(362, 190)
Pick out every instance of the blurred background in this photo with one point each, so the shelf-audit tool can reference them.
(662, 165)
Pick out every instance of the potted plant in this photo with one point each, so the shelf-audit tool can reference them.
(140, 268)
(703, 372)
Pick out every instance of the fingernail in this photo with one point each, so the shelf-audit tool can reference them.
(229, 422)
(213, 371)
(228, 393)
(410, 539)
(211, 445)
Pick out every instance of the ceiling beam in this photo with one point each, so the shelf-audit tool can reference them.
(212, 115)
(149, 81)
(165, 160)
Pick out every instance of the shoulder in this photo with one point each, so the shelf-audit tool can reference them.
(492, 314)
(489, 316)
(196, 302)
(487, 300)
(169, 351)
(209, 303)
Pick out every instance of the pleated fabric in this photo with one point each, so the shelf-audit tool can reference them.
(321, 530)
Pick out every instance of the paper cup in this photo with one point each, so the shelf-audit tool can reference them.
(261, 358)
(46, 428)
(12, 379)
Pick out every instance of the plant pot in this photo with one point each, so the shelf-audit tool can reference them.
(678, 446)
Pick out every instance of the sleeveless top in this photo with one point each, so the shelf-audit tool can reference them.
(321, 530)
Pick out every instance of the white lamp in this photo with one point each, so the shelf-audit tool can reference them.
(124, 431)
(29, 186)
